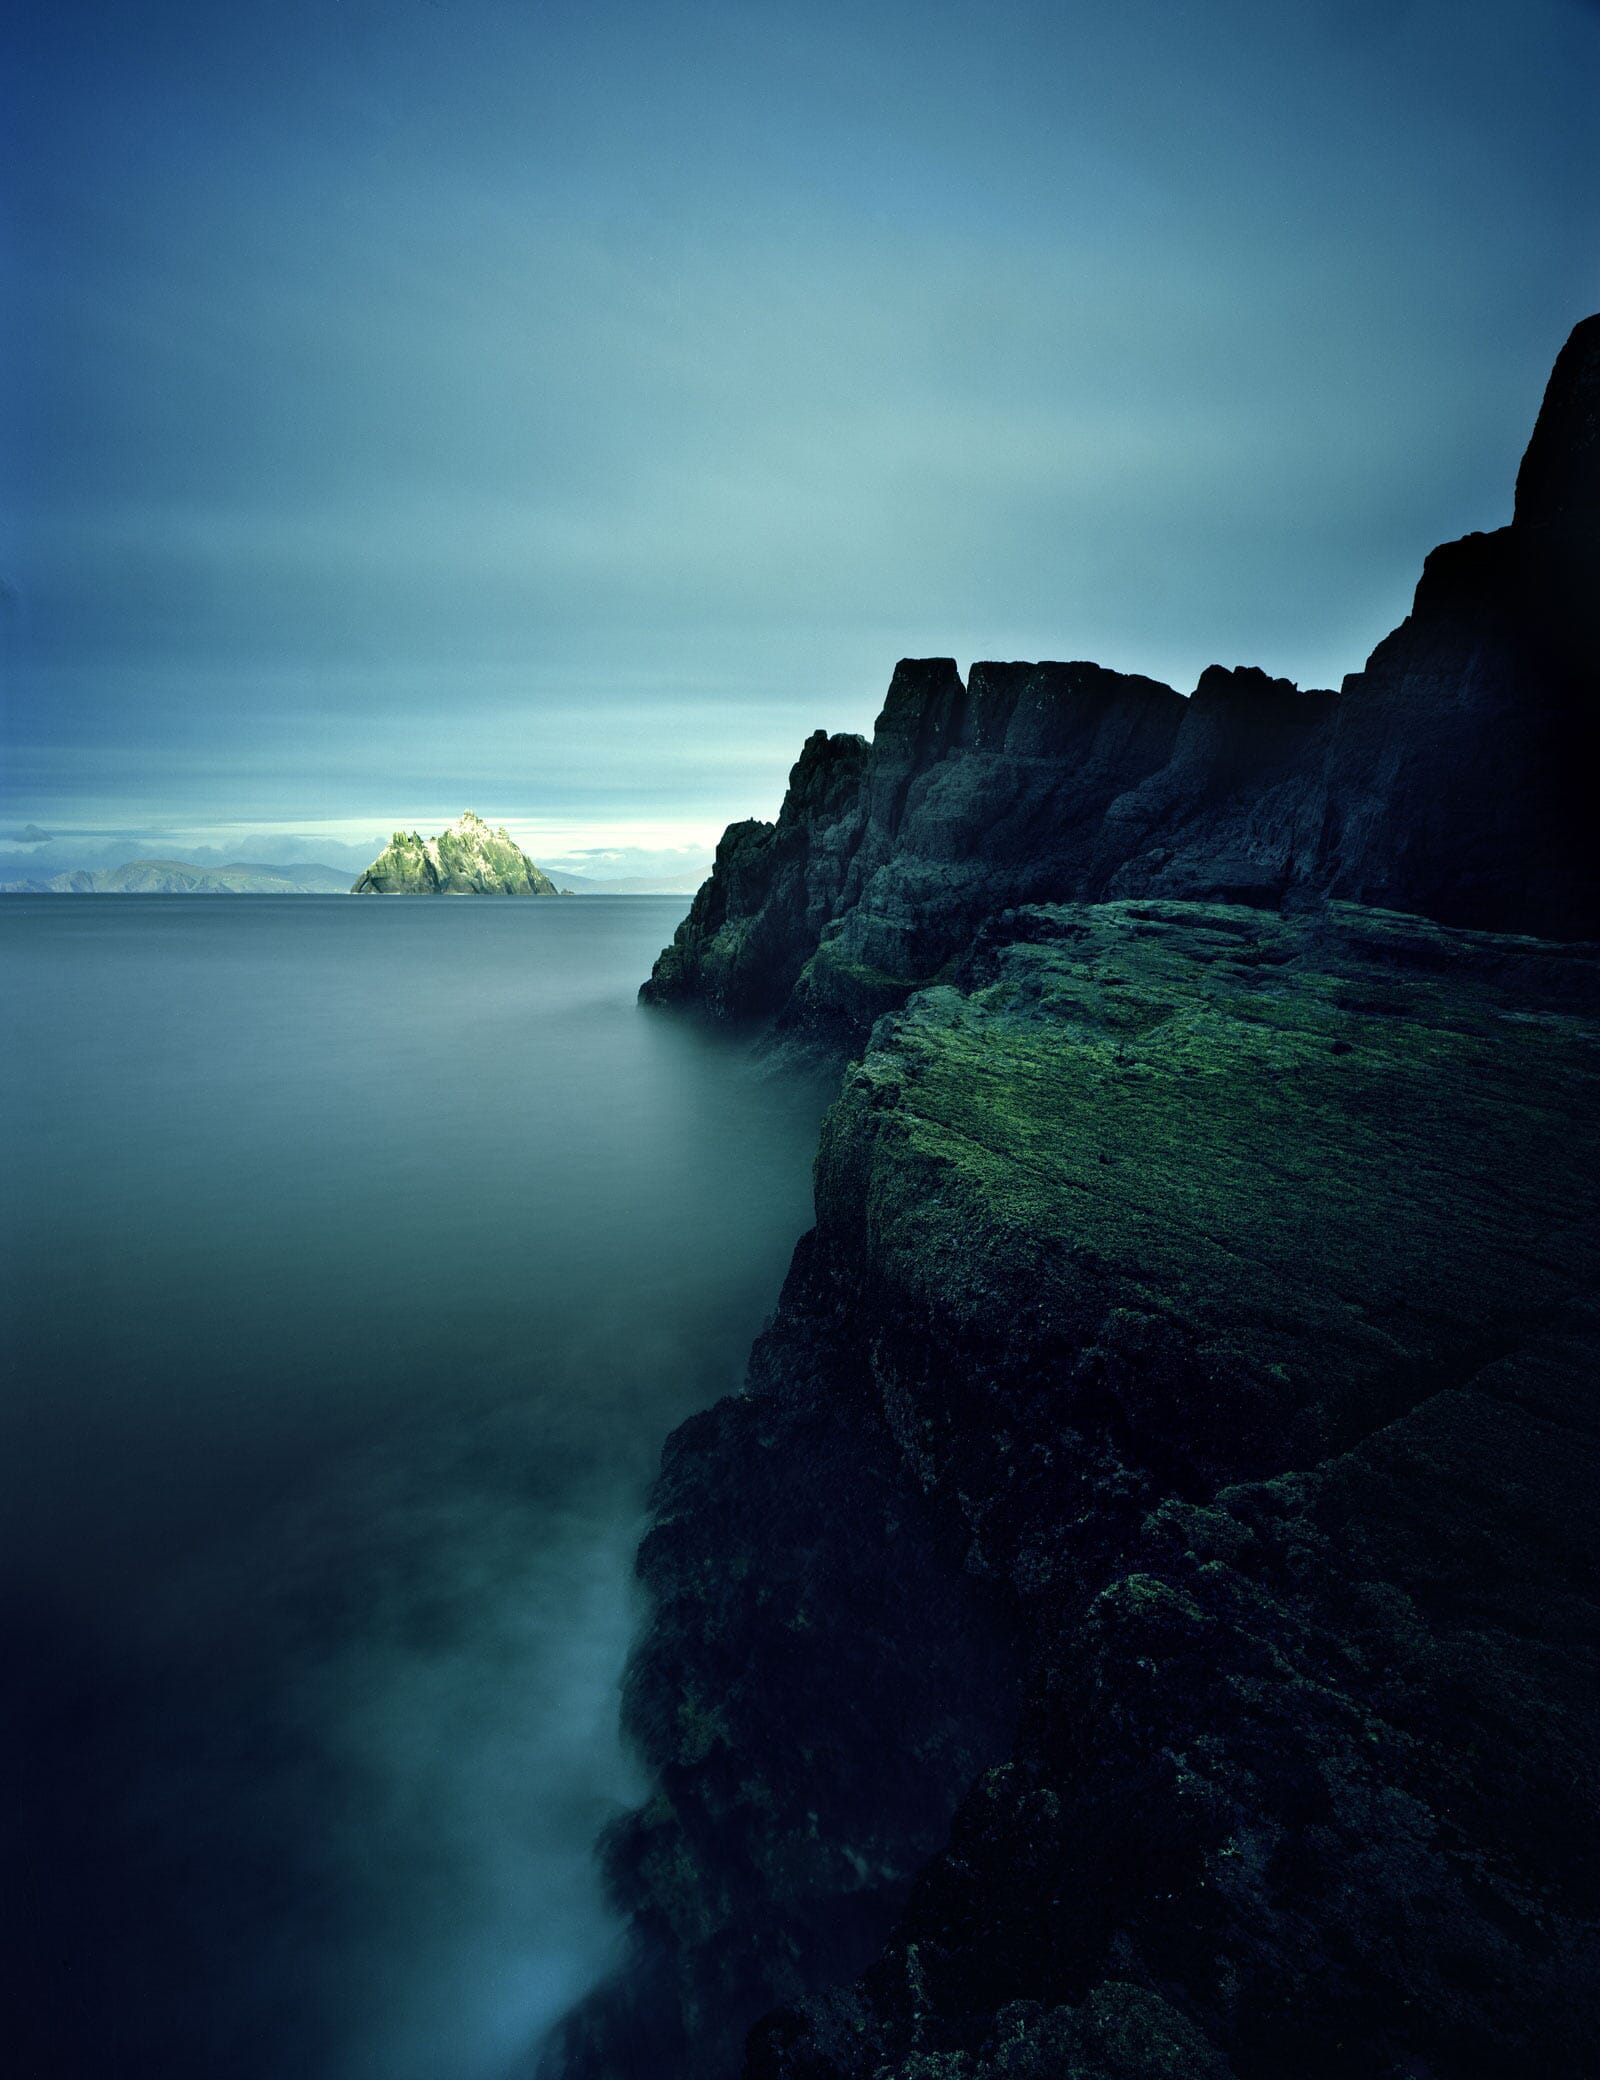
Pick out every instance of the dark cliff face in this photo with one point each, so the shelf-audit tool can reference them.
(1234, 810)
(1559, 481)
(1457, 778)
(1450, 777)
(819, 1683)
(1483, 814)
(772, 888)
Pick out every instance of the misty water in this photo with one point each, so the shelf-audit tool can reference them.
(357, 1257)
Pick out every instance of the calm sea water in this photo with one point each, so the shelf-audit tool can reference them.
(356, 1258)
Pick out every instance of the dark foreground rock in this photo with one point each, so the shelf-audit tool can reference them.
(1452, 777)
(819, 1683)
(1163, 1511)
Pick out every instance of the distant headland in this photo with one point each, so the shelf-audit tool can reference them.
(183, 877)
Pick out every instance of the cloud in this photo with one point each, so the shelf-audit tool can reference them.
(262, 845)
(529, 410)
(631, 862)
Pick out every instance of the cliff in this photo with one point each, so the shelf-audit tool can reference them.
(1141, 1616)
(468, 859)
(1448, 778)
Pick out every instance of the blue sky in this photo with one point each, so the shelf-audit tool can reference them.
(561, 410)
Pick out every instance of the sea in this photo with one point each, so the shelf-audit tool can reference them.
(356, 1257)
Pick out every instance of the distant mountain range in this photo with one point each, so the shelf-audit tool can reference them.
(683, 884)
(178, 877)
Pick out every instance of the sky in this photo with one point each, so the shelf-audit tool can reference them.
(560, 410)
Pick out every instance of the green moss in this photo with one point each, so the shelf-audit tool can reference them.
(1188, 1146)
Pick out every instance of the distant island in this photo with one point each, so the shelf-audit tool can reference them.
(468, 859)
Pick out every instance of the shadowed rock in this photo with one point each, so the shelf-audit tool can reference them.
(1559, 480)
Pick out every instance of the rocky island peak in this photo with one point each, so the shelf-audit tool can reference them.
(470, 858)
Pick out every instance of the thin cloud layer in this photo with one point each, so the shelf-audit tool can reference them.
(576, 406)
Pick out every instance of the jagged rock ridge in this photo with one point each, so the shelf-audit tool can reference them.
(468, 859)
(1450, 777)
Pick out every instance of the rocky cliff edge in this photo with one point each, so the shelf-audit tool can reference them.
(1450, 777)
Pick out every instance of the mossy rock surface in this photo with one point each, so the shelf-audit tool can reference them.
(1176, 1448)
(1232, 1278)
(1327, 1156)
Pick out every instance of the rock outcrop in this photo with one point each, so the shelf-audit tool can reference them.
(1181, 1427)
(1450, 778)
(468, 859)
